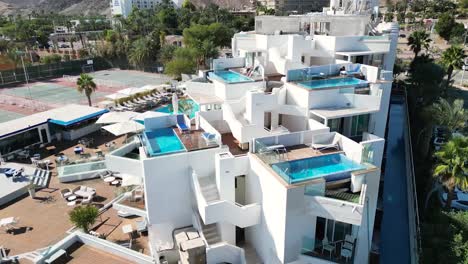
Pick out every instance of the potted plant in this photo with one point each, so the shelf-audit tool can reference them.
(84, 216)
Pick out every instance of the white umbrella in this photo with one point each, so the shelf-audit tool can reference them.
(128, 91)
(123, 128)
(149, 114)
(116, 117)
(128, 180)
(116, 96)
(175, 103)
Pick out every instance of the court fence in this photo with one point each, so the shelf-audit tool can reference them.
(45, 71)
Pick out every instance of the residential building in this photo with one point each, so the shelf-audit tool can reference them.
(299, 6)
(282, 162)
(125, 7)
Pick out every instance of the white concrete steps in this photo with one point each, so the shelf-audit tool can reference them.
(209, 189)
(211, 234)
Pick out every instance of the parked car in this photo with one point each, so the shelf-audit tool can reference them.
(64, 46)
(402, 36)
(459, 201)
(438, 142)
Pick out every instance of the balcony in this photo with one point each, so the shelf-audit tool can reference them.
(213, 210)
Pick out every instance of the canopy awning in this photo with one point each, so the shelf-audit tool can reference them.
(150, 114)
(123, 128)
(129, 180)
(116, 117)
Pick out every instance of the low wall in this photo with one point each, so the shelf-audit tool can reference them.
(80, 175)
(98, 243)
(13, 195)
(132, 210)
(81, 132)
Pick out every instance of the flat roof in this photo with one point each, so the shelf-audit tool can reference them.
(330, 113)
(64, 116)
(203, 99)
(360, 53)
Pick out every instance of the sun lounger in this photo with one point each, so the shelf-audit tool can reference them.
(181, 124)
(325, 141)
(209, 138)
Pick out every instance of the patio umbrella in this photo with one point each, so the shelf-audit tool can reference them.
(123, 128)
(128, 180)
(116, 96)
(128, 91)
(175, 103)
(149, 114)
(116, 117)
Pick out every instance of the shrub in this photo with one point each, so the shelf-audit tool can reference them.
(84, 216)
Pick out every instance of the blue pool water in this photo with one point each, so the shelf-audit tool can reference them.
(162, 141)
(195, 108)
(332, 167)
(395, 235)
(331, 83)
(230, 76)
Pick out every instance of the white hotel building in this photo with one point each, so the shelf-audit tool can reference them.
(288, 170)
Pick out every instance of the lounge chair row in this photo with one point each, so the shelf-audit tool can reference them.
(143, 102)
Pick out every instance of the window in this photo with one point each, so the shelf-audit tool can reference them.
(335, 124)
(359, 125)
(19, 141)
(302, 59)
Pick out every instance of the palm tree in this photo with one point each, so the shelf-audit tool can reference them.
(450, 115)
(141, 52)
(86, 84)
(451, 167)
(452, 58)
(418, 40)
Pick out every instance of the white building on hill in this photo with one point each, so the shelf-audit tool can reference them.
(125, 7)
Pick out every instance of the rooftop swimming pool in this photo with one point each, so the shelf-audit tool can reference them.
(332, 167)
(333, 83)
(230, 76)
(162, 141)
(78, 168)
(166, 108)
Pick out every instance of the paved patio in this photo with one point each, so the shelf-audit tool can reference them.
(193, 140)
(79, 254)
(110, 225)
(44, 220)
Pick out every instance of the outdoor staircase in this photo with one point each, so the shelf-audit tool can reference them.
(209, 189)
(211, 233)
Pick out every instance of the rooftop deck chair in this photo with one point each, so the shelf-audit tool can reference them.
(209, 138)
(327, 246)
(183, 128)
(352, 71)
(325, 141)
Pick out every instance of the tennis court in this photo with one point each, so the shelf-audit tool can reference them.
(125, 78)
(52, 93)
(7, 115)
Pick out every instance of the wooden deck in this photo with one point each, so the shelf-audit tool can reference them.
(194, 140)
(229, 140)
(304, 151)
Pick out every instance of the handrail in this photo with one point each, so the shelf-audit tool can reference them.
(413, 180)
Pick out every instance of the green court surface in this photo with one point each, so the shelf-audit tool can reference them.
(52, 93)
(7, 115)
(129, 78)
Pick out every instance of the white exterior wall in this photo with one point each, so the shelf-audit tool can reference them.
(269, 237)
(167, 185)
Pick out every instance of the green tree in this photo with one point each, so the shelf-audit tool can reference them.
(86, 85)
(84, 216)
(453, 116)
(167, 53)
(401, 17)
(418, 40)
(143, 51)
(389, 17)
(411, 17)
(444, 25)
(452, 58)
(451, 166)
(184, 61)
